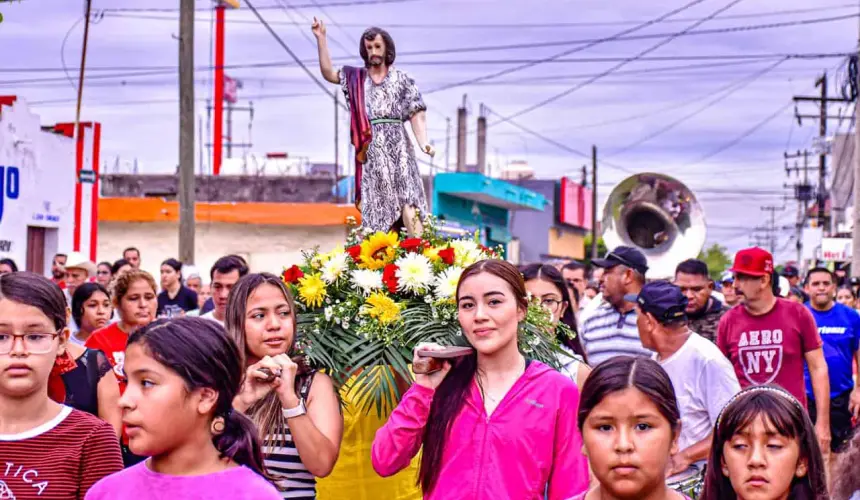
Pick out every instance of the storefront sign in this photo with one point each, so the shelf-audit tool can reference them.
(836, 249)
(5, 246)
(574, 207)
(10, 186)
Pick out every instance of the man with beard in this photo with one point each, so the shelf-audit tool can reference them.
(839, 327)
(768, 339)
(703, 310)
(58, 270)
(389, 190)
(609, 329)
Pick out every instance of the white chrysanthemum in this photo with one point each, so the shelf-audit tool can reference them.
(414, 273)
(334, 267)
(466, 252)
(367, 281)
(446, 282)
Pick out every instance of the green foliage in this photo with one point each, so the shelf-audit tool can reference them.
(717, 259)
(601, 248)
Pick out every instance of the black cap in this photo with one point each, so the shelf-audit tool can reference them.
(790, 272)
(662, 299)
(624, 256)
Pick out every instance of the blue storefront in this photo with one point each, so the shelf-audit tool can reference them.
(466, 202)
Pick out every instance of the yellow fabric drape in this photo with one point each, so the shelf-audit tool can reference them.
(353, 476)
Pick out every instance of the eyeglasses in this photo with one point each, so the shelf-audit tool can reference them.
(34, 343)
(551, 304)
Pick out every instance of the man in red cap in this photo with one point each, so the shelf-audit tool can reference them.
(768, 339)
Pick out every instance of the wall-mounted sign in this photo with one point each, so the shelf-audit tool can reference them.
(10, 186)
(574, 206)
(87, 177)
(5, 246)
(836, 249)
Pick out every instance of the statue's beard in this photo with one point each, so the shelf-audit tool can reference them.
(377, 61)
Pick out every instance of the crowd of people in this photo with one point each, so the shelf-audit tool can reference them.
(115, 386)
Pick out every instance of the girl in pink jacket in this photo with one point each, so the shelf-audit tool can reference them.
(494, 425)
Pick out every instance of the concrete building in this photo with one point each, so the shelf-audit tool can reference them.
(558, 232)
(47, 187)
(270, 236)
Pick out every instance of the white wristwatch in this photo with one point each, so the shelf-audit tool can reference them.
(294, 412)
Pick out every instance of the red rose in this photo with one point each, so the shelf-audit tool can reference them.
(447, 256)
(488, 250)
(354, 252)
(389, 277)
(413, 244)
(292, 275)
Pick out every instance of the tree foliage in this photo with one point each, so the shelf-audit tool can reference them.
(717, 258)
(601, 248)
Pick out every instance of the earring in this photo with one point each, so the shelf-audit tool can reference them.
(218, 426)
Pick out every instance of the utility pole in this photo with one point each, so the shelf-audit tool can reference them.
(855, 231)
(594, 202)
(461, 136)
(482, 141)
(584, 181)
(186, 131)
(75, 132)
(336, 141)
(448, 144)
(771, 230)
(822, 159)
(803, 195)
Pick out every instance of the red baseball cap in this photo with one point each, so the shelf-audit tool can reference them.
(753, 262)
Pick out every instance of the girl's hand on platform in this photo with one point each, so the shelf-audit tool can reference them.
(432, 380)
(318, 28)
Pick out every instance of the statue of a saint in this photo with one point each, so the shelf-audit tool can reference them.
(380, 98)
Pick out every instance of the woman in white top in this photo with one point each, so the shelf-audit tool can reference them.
(546, 283)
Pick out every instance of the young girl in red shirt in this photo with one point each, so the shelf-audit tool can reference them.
(134, 297)
(50, 451)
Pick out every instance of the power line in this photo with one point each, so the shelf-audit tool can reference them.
(120, 13)
(729, 58)
(722, 95)
(616, 67)
(567, 52)
(262, 7)
(284, 46)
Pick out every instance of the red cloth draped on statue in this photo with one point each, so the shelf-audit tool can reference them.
(359, 124)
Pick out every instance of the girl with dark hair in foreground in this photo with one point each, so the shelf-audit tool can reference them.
(177, 409)
(630, 423)
(765, 447)
(493, 424)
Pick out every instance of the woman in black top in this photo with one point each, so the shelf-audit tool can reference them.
(84, 372)
(175, 298)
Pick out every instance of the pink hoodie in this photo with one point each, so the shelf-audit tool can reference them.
(528, 443)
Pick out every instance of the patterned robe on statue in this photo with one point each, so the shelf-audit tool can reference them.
(390, 179)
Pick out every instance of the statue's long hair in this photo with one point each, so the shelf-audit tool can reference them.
(370, 35)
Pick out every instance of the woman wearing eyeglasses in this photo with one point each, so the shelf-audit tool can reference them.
(50, 451)
(546, 284)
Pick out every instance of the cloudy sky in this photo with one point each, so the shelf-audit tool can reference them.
(708, 100)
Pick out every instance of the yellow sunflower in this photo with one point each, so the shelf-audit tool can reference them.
(312, 290)
(379, 250)
(382, 308)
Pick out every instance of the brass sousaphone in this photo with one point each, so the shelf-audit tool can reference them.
(658, 215)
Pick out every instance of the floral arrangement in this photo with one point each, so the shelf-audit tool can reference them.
(363, 308)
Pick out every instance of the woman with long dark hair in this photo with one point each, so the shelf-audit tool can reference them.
(846, 481)
(495, 424)
(546, 284)
(49, 450)
(87, 383)
(182, 377)
(765, 447)
(297, 411)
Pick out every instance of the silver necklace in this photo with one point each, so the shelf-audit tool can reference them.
(487, 396)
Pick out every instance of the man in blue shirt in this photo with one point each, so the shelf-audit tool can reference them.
(839, 328)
